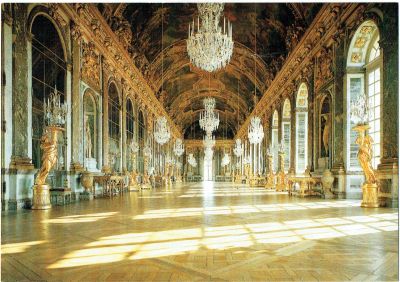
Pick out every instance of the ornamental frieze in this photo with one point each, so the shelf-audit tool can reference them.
(90, 65)
(324, 72)
(54, 13)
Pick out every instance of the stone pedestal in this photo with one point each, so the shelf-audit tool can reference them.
(41, 197)
(60, 197)
(91, 164)
(86, 196)
(370, 196)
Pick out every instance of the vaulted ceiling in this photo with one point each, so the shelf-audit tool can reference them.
(159, 50)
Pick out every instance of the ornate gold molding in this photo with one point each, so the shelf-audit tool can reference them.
(320, 33)
(94, 27)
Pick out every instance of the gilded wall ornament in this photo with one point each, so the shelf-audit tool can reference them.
(90, 65)
(324, 68)
(55, 14)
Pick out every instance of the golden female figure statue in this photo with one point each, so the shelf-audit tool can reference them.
(49, 158)
(365, 156)
(370, 187)
(41, 193)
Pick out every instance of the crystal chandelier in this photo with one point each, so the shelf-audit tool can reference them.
(225, 160)
(134, 146)
(209, 120)
(162, 132)
(178, 147)
(147, 151)
(238, 150)
(210, 48)
(192, 161)
(55, 112)
(209, 141)
(256, 131)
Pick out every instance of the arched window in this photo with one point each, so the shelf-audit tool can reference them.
(48, 73)
(301, 128)
(274, 139)
(90, 127)
(130, 128)
(141, 132)
(114, 132)
(364, 65)
(286, 115)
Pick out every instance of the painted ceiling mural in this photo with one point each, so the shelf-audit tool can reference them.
(179, 85)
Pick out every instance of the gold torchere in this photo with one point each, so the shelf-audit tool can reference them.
(133, 185)
(238, 177)
(370, 186)
(41, 190)
(167, 175)
(280, 185)
(247, 172)
(146, 179)
(270, 184)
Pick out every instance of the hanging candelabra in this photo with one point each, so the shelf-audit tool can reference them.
(162, 132)
(210, 48)
(178, 147)
(209, 119)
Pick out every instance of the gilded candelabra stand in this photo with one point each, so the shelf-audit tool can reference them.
(280, 185)
(247, 173)
(146, 178)
(359, 115)
(55, 113)
(133, 184)
(370, 186)
(270, 184)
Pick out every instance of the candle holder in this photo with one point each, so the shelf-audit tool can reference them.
(359, 114)
(270, 183)
(55, 113)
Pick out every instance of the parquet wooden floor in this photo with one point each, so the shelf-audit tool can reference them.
(202, 232)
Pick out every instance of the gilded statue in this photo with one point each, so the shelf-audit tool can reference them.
(365, 154)
(326, 132)
(88, 135)
(48, 144)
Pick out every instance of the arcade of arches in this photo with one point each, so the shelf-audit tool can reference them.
(288, 208)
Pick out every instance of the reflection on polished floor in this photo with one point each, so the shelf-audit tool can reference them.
(203, 231)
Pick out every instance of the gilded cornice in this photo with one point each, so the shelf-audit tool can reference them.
(190, 143)
(94, 27)
(327, 26)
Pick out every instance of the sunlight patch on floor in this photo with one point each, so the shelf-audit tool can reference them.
(135, 246)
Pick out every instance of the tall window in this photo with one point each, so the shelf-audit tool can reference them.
(286, 115)
(141, 141)
(114, 132)
(301, 128)
(374, 101)
(130, 125)
(48, 72)
(364, 78)
(274, 139)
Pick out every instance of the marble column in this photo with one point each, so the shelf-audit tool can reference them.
(388, 169)
(338, 114)
(106, 165)
(76, 109)
(123, 128)
(21, 167)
